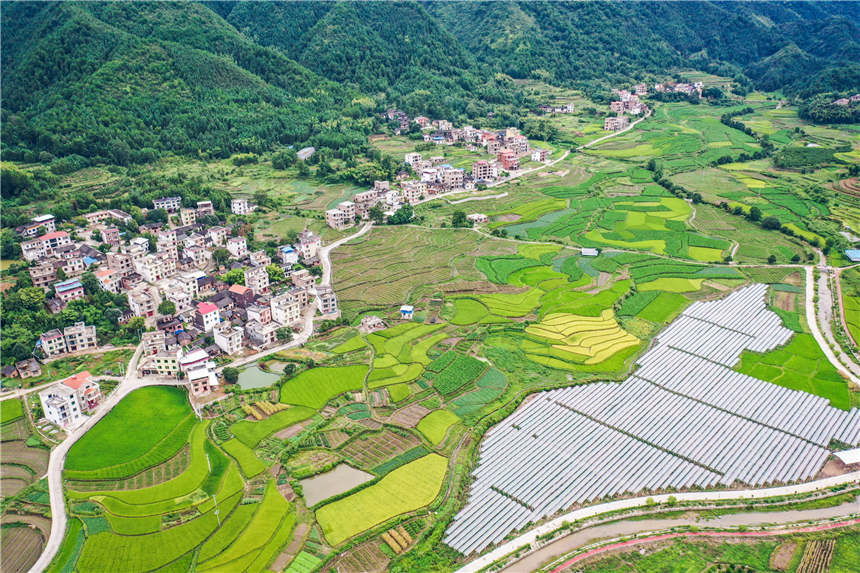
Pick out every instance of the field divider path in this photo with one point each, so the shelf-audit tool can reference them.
(531, 537)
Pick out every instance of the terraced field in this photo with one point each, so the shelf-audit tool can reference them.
(585, 339)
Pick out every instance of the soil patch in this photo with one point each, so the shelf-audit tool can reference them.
(293, 548)
(409, 416)
(834, 467)
(781, 556)
(292, 431)
(784, 300)
(20, 547)
(509, 218)
(366, 558)
(11, 486)
(40, 522)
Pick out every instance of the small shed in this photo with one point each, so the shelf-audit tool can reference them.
(853, 255)
(589, 252)
(406, 312)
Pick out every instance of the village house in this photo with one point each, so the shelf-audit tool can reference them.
(286, 309)
(414, 191)
(483, 170)
(519, 144)
(338, 218)
(80, 337)
(121, 263)
(241, 206)
(28, 368)
(110, 235)
(69, 290)
(217, 235)
(260, 313)
(302, 278)
(257, 279)
(540, 155)
(156, 266)
(201, 381)
(508, 160)
(229, 338)
(261, 335)
(109, 280)
(52, 343)
(326, 300)
(422, 121)
(40, 224)
(166, 242)
(43, 247)
(288, 255)
(207, 316)
(153, 342)
(309, 245)
(238, 247)
(453, 178)
(406, 312)
(142, 303)
(371, 323)
(205, 208)
(412, 159)
(305, 153)
(66, 402)
(197, 358)
(616, 123)
(188, 216)
(43, 275)
(477, 218)
(169, 204)
(163, 363)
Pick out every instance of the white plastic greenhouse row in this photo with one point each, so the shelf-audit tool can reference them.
(710, 437)
(799, 413)
(549, 474)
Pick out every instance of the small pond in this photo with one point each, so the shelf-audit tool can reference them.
(254, 377)
(323, 486)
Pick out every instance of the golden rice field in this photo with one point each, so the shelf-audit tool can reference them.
(598, 338)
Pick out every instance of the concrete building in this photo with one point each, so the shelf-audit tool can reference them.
(44, 246)
(188, 216)
(169, 204)
(483, 170)
(477, 218)
(80, 337)
(241, 206)
(109, 280)
(259, 258)
(207, 316)
(153, 342)
(142, 303)
(257, 279)
(110, 235)
(66, 402)
(241, 295)
(40, 224)
(309, 245)
(157, 266)
(217, 235)
(52, 343)
(238, 247)
(260, 313)
(616, 123)
(205, 208)
(288, 254)
(326, 300)
(43, 275)
(452, 178)
(508, 159)
(261, 335)
(229, 338)
(540, 155)
(286, 309)
(69, 290)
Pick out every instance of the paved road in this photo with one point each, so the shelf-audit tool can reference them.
(770, 532)
(519, 174)
(840, 301)
(531, 536)
(812, 319)
(613, 134)
(569, 543)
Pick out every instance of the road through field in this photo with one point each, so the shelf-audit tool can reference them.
(815, 318)
(617, 529)
(531, 537)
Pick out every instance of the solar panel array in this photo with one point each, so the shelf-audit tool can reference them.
(684, 419)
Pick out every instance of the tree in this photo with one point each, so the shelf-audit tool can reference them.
(771, 260)
(233, 277)
(377, 215)
(276, 273)
(31, 297)
(304, 170)
(697, 198)
(770, 223)
(284, 159)
(795, 258)
(284, 334)
(755, 214)
(221, 255)
(167, 308)
(231, 375)
(401, 216)
(458, 219)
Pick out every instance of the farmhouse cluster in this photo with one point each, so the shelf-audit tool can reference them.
(193, 280)
(627, 103)
(433, 176)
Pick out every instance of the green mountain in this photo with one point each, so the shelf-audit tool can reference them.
(124, 81)
(115, 80)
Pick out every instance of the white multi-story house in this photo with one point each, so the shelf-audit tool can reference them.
(217, 235)
(208, 316)
(188, 216)
(288, 254)
(142, 302)
(238, 247)
(80, 337)
(286, 309)
(109, 280)
(241, 206)
(326, 300)
(412, 159)
(44, 246)
(309, 245)
(205, 208)
(52, 343)
(169, 204)
(260, 335)
(157, 266)
(257, 279)
(66, 402)
(229, 338)
(259, 258)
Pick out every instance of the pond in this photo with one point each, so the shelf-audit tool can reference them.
(254, 377)
(323, 486)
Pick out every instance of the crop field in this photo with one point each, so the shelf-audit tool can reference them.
(369, 451)
(452, 371)
(11, 410)
(250, 464)
(156, 438)
(313, 388)
(585, 339)
(405, 489)
(385, 267)
(799, 365)
(850, 283)
(435, 425)
(252, 433)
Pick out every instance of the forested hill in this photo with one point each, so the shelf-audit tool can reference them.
(583, 41)
(125, 81)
